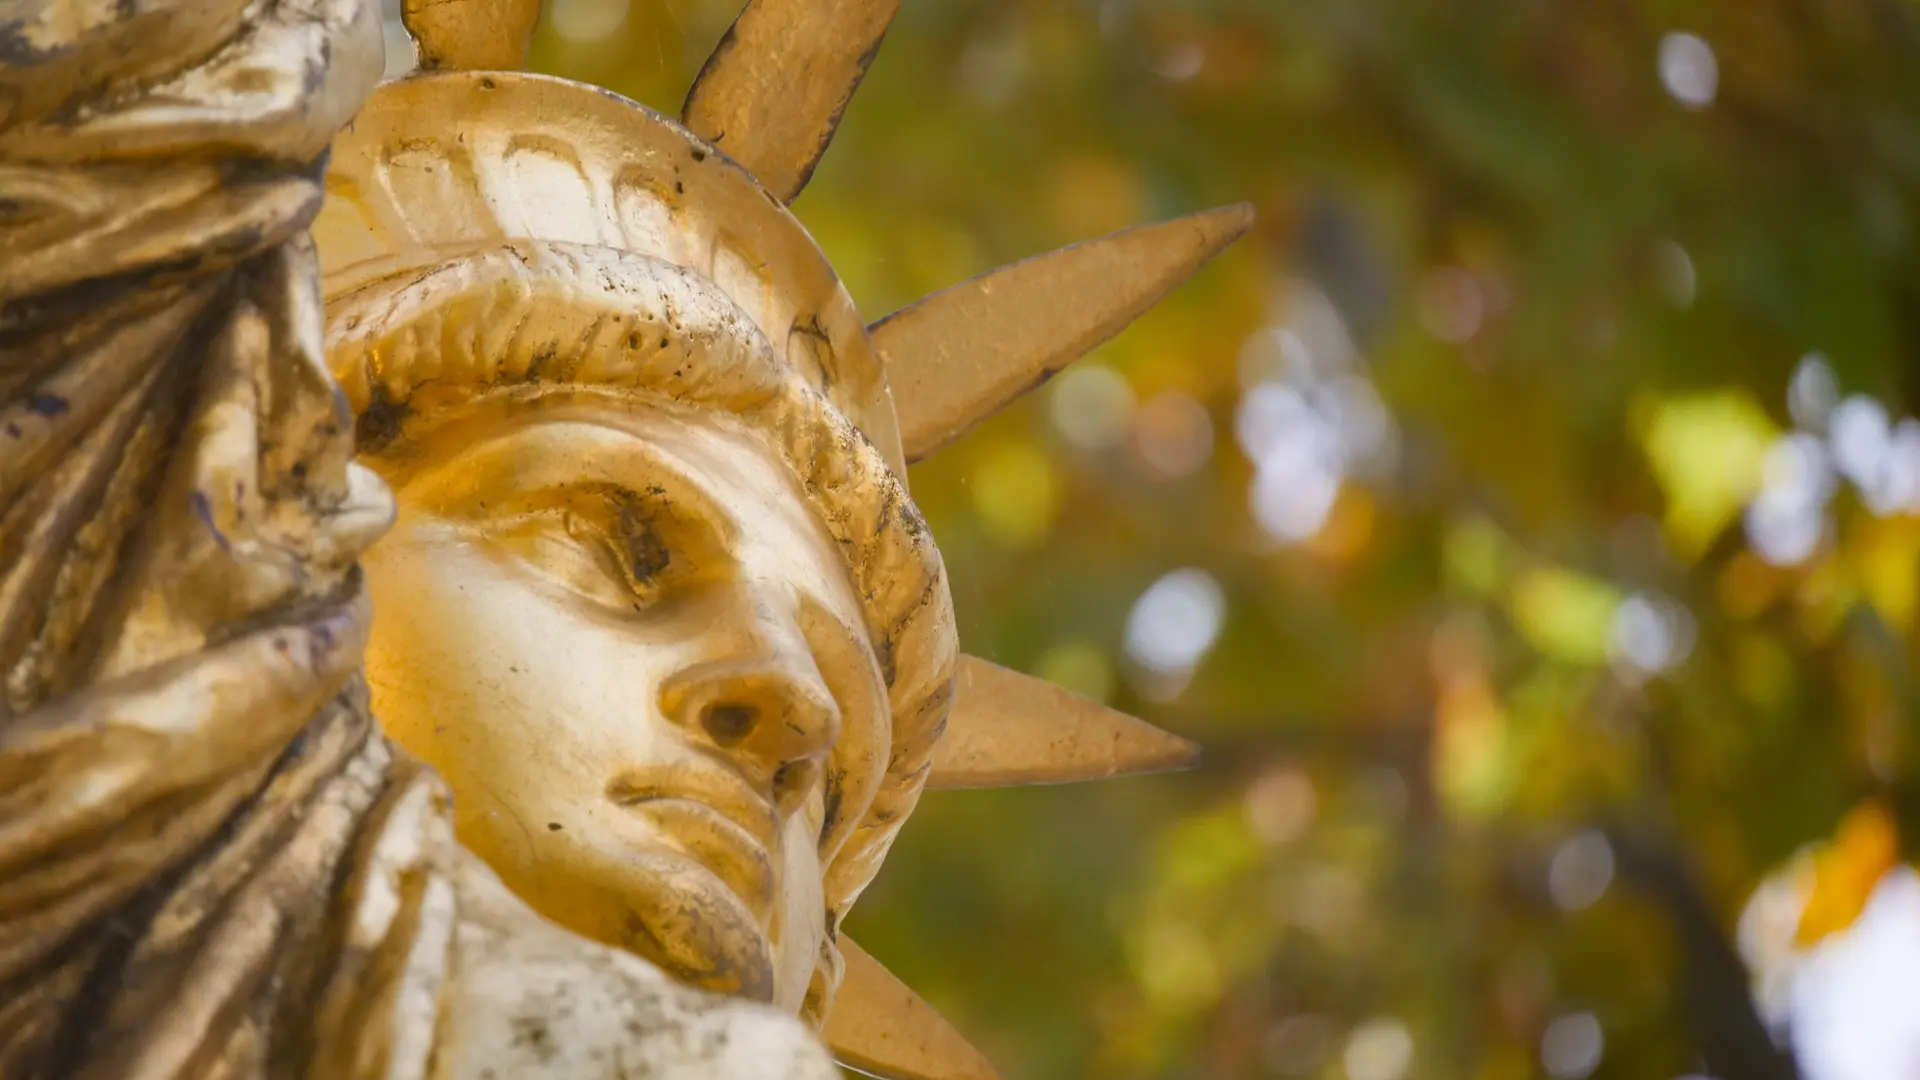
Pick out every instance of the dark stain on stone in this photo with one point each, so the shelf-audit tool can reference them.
(832, 797)
(47, 404)
(531, 1034)
(381, 422)
(537, 369)
(17, 50)
(646, 551)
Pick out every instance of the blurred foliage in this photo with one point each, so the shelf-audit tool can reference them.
(1510, 728)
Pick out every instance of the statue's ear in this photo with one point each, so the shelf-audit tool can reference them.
(881, 1028)
(471, 35)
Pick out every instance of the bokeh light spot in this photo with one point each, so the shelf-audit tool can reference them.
(1652, 632)
(1862, 435)
(1902, 489)
(1357, 419)
(1297, 1045)
(1092, 407)
(1787, 519)
(1175, 622)
(1280, 805)
(1378, 1049)
(1268, 415)
(1688, 69)
(1675, 274)
(1292, 495)
(1182, 62)
(1812, 392)
(1572, 1046)
(1174, 434)
(1580, 871)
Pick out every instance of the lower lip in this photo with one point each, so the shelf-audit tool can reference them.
(741, 861)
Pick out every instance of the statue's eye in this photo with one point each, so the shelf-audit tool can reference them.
(607, 547)
(632, 553)
(576, 554)
(638, 533)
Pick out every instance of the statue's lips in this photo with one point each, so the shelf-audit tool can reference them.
(718, 821)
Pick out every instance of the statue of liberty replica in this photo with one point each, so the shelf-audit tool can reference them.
(461, 610)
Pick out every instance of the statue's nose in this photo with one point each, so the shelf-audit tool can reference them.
(764, 705)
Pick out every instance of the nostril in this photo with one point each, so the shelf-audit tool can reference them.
(730, 722)
(792, 782)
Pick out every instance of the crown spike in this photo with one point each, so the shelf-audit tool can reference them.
(881, 1028)
(1007, 728)
(960, 355)
(772, 93)
(471, 35)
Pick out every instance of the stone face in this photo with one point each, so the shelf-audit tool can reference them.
(661, 610)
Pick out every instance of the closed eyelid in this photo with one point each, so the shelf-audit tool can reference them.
(582, 468)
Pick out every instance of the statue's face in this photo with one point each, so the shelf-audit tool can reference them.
(634, 655)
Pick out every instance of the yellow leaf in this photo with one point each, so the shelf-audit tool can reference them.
(1565, 615)
(1472, 763)
(1866, 846)
(1885, 553)
(1706, 451)
(1475, 554)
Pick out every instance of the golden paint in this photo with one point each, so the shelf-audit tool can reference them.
(884, 1029)
(1010, 729)
(656, 605)
(772, 93)
(962, 354)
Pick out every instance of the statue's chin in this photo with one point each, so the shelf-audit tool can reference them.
(664, 906)
(685, 919)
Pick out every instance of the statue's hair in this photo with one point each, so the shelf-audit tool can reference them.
(532, 317)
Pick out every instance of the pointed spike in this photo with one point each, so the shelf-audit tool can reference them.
(958, 356)
(471, 35)
(772, 93)
(1007, 728)
(881, 1028)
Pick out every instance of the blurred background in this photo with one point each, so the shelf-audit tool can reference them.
(1526, 518)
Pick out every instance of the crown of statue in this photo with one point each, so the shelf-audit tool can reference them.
(503, 232)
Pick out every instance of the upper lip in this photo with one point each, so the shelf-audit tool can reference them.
(721, 790)
(743, 819)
